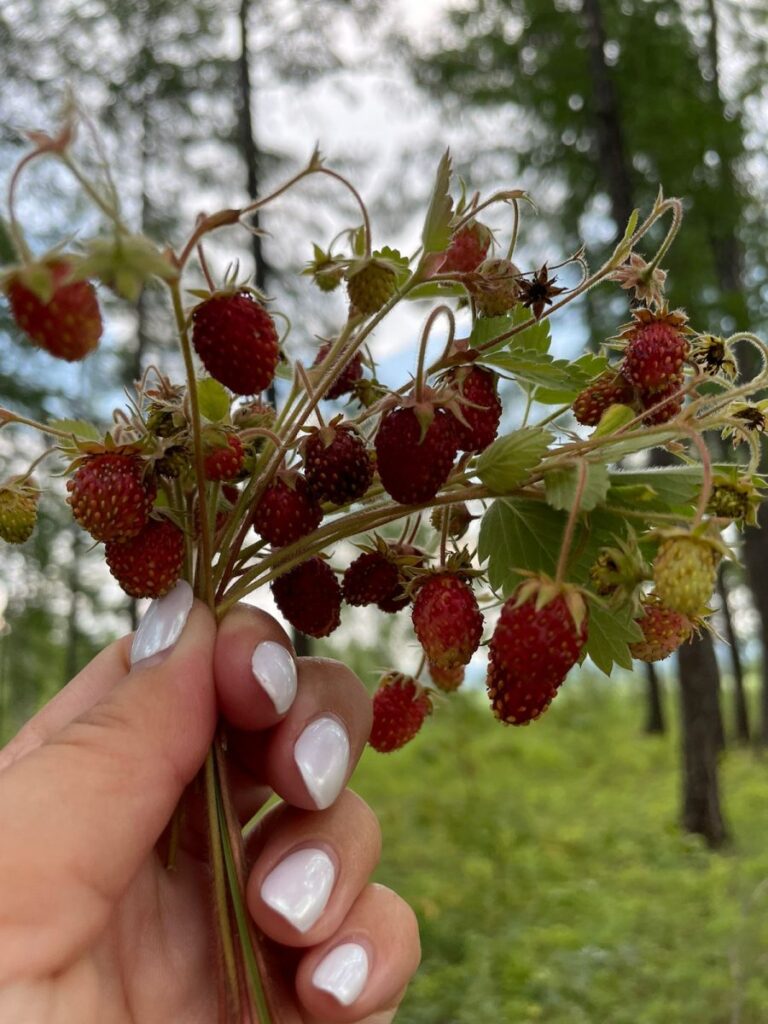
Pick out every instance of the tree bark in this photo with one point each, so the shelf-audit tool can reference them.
(740, 708)
(756, 559)
(701, 810)
(654, 719)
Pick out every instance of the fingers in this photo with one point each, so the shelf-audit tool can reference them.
(100, 792)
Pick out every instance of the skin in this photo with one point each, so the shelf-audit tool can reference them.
(93, 928)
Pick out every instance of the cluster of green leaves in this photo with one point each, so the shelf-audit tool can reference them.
(549, 877)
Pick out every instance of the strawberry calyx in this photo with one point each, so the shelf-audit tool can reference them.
(542, 590)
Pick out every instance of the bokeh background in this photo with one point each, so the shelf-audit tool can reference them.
(609, 864)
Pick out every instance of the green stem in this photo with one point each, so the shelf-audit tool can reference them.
(565, 547)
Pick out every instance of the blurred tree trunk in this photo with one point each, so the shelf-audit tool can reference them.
(654, 719)
(756, 559)
(701, 810)
(740, 708)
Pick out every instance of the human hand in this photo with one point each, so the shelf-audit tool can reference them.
(93, 928)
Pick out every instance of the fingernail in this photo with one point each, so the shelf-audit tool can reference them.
(299, 887)
(343, 973)
(275, 669)
(322, 757)
(162, 623)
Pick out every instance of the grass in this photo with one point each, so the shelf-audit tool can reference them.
(551, 881)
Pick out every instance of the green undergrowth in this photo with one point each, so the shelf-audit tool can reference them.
(551, 881)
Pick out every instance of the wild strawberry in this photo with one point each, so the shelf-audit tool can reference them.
(609, 389)
(309, 597)
(532, 650)
(18, 511)
(225, 463)
(236, 340)
(664, 631)
(458, 517)
(337, 464)
(734, 499)
(447, 619)
(657, 347)
(672, 402)
(370, 578)
(399, 709)
(447, 679)
(469, 247)
(67, 322)
(370, 285)
(345, 382)
(496, 290)
(254, 414)
(685, 572)
(480, 407)
(287, 510)
(149, 564)
(413, 467)
(111, 496)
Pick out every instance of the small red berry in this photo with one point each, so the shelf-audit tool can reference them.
(655, 355)
(671, 398)
(371, 578)
(469, 247)
(447, 679)
(149, 564)
(399, 710)
(236, 340)
(337, 464)
(664, 631)
(287, 510)
(309, 597)
(481, 408)
(225, 463)
(111, 496)
(447, 620)
(345, 382)
(609, 389)
(413, 468)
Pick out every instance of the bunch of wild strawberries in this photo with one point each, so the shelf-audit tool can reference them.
(211, 481)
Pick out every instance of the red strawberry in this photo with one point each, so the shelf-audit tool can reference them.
(309, 597)
(481, 408)
(447, 679)
(287, 510)
(414, 468)
(399, 710)
(447, 620)
(68, 324)
(236, 340)
(371, 578)
(225, 463)
(111, 497)
(345, 382)
(468, 248)
(532, 649)
(663, 631)
(655, 354)
(669, 409)
(149, 564)
(609, 389)
(337, 464)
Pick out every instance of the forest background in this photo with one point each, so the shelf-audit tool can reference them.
(613, 858)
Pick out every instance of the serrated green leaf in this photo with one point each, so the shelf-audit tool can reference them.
(561, 486)
(436, 233)
(658, 489)
(509, 460)
(214, 399)
(581, 372)
(429, 290)
(612, 451)
(396, 261)
(80, 428)
(7, 248)
(527, 366)
(610, 631)
(535, 338)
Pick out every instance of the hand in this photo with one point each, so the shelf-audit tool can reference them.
(93, 928)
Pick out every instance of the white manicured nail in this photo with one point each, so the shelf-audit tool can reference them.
(162, 623)
(275, 670)
(299, 887)
(322, 757)
(343, 973)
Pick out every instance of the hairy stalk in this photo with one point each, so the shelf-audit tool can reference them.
(706, 484)
(423, 342)
(565, 547)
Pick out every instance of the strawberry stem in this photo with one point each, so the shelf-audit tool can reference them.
(706, 483)
(424, 340)
(565, 547)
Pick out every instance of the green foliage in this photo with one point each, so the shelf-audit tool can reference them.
(550, 878)
(510, 458)
(436, 234)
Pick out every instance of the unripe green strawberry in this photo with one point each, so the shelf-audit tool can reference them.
(458, 517)
(497, 289)
(446, 619)
(111, 496)
(149, 564)
(609, 389)
(734, 499)
(399, 709)
(18, 511)
(664, 631)
(370, 285)
(685, 572)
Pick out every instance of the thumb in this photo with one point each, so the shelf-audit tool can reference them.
(83, 811)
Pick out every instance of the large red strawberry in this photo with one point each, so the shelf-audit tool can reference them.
(468, 248)
(225, 461)
(309, 597)
(149, 564)
(664, 631)
(480, 407)
(337, 464)
(414, 463)
(609, 389)
(345, 382)
(447, 619)
(111, 495)
(399, 709)
(236, 340)
(657, 347)
(532, 649)
(287, 510)
(67, 322)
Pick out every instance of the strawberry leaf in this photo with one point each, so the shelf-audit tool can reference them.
(580, 373)
(436, 234)
(657, 489)
(562, 484)
(80, 428)
(535, 338)
(531, 367)
(509, 460)
(610, 631)
(214, 399)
